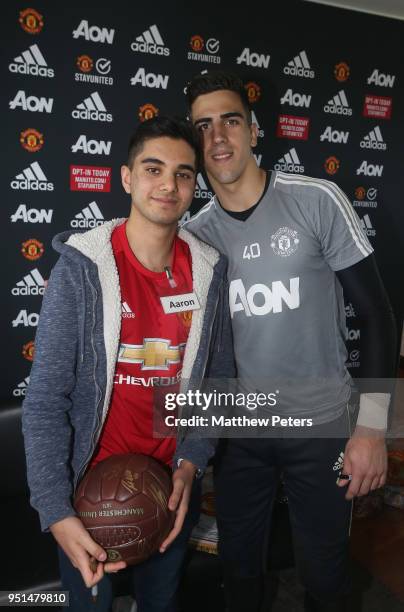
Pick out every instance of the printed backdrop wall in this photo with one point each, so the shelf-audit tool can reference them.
(326, 86)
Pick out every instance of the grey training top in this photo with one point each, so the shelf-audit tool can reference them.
(286, 302)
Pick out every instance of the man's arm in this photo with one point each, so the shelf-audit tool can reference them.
(365, 453)
(47, 430)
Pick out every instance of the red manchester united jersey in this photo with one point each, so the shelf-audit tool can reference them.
(150, 354)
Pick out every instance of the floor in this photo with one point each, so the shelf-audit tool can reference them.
(378, 541)
(378, 545)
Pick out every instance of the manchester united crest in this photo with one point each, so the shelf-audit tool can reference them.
(253, 91)
(341, 72)
(147, 111)
(31, 140)
(331, 165)
(197, 43)
(285, 242)
(32, 249)
(31, 21)
(84, 63)
(28, 350)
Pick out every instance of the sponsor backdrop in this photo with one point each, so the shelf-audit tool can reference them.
(327, 99)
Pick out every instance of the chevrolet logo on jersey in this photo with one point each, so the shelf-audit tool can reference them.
(153, 354)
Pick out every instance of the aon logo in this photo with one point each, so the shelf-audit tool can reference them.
(260, 299)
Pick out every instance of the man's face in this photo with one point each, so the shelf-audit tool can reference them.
(161, 180)
(227, 137)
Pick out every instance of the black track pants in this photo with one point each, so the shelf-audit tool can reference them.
(247, 473)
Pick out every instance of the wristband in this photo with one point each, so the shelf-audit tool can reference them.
(373, 410)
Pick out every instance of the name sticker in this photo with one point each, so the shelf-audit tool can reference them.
(180, 303)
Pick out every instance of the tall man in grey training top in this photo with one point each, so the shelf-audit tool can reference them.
(295, 245)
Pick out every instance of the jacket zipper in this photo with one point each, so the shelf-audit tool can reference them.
(210, 332)
(179, 438)
(97, 387)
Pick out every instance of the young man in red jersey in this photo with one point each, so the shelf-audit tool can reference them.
(105, 341)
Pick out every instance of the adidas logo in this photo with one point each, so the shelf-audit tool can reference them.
(31, 284)
(370, 169)
(89, 217)
(32, 179)
(299, 66)
(374, 140)
(339, 464)
(290, 162)
(150, 42)
(92, 108)
(367, 226)
(338, 105)
(201, 189)
(21, 388)
(127, 312)
(149, 79)
(31, 103)
(31, 62)
(254, 119)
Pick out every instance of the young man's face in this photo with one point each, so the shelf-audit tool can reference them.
(226, 134)
(161, 180)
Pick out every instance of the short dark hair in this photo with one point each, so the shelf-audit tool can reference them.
(216, 80)
(160, 126)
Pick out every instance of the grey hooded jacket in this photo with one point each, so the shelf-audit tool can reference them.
(75, 356)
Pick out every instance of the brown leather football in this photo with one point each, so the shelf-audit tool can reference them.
(122, 502)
